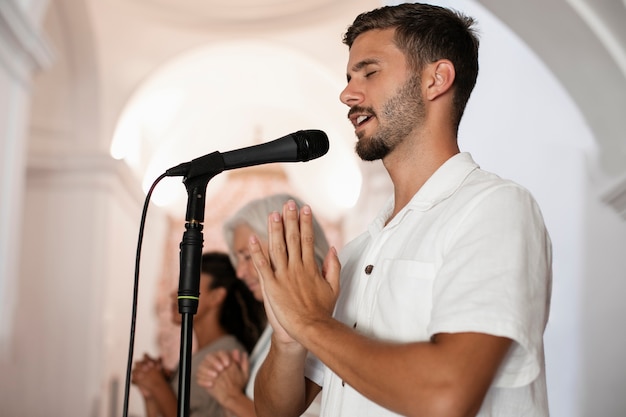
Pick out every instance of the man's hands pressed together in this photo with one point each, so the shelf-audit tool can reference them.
(296, 293)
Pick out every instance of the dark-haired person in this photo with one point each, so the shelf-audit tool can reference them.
(228, 317)
(445, 298)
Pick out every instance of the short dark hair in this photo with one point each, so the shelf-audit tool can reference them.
(426, 33)
(241, 314)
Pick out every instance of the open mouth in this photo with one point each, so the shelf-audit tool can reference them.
(360, 115)
(362, 119)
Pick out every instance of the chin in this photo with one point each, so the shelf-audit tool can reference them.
(371, 153)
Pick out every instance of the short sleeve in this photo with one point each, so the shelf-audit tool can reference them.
(495, 278)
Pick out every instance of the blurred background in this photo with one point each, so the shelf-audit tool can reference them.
(101, 97)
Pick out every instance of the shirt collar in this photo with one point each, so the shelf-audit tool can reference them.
(441, 185)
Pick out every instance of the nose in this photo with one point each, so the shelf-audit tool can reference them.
(351, 95)
(242, 269)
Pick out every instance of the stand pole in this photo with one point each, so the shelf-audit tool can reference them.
(190, 267)
(188, 295)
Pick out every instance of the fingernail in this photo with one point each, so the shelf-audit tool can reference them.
(291, 205)
(306, 209)
(275, 216)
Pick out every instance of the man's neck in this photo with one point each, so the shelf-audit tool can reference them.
(410, 167)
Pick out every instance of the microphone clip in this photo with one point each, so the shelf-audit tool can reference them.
(205, 166)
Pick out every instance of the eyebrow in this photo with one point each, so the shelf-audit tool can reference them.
(362, 64)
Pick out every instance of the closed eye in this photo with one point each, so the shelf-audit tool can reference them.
(243, 256)
(367, 66)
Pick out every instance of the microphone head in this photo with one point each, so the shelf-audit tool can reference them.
(311, 144)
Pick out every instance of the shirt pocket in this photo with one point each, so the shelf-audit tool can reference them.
(404, 300)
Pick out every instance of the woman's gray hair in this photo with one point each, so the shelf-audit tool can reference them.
(255, 213)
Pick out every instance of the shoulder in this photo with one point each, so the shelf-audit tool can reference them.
(227, 342)
(483, 189)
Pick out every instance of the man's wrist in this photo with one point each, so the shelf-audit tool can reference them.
(291, 348)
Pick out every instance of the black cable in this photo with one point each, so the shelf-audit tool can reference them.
(133, 320)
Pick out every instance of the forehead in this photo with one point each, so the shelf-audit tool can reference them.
(374, 45)
(241, 234)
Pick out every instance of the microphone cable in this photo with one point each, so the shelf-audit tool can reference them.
(133, 319)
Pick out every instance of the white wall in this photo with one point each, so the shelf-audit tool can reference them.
(603, 310)
(22, 51)
(67, 237)
(74, 298)
(13, 114)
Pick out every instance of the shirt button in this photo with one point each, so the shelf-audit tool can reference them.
(368, 269)
(343, 383)
(354, 325)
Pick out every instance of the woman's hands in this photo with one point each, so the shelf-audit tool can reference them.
(149, 375)
(224, 375)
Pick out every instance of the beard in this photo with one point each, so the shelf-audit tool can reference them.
(399, 116)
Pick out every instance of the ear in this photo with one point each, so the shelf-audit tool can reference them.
(440, 77)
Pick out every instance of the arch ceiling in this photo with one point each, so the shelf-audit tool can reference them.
(583, 42)
(234, 95)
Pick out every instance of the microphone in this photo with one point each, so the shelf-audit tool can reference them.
(300, 146)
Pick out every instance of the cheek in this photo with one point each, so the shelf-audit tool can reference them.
(203, 303)
(239, 270)
(252, 270)
(246, 271)
(258, 294)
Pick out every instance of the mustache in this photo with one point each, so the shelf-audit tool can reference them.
(361, 110)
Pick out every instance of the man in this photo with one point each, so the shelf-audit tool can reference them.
(445, 298)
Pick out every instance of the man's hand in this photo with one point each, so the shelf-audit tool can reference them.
(296, 293)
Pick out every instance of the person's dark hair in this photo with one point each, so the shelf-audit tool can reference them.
(241, 315)
(426, 33)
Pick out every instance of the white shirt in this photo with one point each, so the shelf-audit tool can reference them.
(469, 253)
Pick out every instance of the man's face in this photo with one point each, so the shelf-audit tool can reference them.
(384, 97)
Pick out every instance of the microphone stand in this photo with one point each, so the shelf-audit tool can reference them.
(190, 267)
